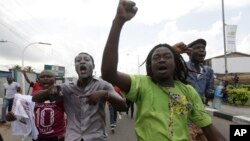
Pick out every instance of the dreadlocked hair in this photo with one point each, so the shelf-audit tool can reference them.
(181, 70)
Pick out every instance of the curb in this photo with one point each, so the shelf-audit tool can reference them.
(237, 119)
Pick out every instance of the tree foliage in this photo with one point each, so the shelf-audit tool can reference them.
(19, 68)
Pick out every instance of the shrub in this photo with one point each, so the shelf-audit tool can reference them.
(238, 96)
(247, 87)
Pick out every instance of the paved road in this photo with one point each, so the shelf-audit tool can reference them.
(223, 126)
(6, 133)
(125, 126)
(124, 130)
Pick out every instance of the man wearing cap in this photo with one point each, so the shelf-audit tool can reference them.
(200, 75)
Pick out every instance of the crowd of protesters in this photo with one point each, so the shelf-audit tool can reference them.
(168, 99)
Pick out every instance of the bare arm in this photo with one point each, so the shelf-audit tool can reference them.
(26, 77)
(181, 48)
(126, 10)
(41, 96)
(212, 133)
(113, 98)
(46, 94)
(118, 102)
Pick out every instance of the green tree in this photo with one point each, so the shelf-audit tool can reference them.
(16, 67)
(29, 69)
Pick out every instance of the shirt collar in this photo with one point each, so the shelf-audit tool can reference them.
(201, 65)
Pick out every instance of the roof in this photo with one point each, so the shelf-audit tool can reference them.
(232, 54)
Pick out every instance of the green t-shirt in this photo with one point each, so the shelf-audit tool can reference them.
(163, 113)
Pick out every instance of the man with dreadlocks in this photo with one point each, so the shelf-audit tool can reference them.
(165, 103)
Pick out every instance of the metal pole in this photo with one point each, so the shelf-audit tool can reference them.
(224, 39)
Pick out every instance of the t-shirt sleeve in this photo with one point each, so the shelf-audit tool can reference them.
(109, 87)
(198, 115)
(17, 85)
(133, 93)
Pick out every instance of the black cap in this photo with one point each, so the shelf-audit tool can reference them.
(201, 41)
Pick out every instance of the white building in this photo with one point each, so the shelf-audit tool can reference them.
(237, 62)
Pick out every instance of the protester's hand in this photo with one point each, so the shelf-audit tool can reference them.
(23, 71)
(55, 90)
(95, 97)
(10, 116)
(126, 10)
(181, 48)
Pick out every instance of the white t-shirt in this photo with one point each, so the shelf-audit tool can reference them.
(10, 89)
(23, 109)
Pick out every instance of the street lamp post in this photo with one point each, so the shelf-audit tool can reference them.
(224, 39)
(24, 49)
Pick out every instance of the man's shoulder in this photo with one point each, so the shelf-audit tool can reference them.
(15, 83)
(208, 68)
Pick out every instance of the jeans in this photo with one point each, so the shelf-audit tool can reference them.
(216, 102)
(7, 103)
(112, 114)
(131, 107)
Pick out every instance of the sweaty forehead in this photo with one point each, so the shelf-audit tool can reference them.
(82, 55)
(162, 50)
(46, 73)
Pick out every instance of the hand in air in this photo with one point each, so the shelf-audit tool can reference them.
(126, 10)
(181, 48)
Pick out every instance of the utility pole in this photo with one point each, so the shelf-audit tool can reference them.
(224, 39)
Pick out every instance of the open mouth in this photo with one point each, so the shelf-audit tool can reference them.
(83, 69)
(201, 55)
(46, 84)
(162, 69)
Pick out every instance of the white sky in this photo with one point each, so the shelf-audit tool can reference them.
(74, 26)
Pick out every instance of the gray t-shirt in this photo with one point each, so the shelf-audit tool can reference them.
(85, 121)
(11, 89)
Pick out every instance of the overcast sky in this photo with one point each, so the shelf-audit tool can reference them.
(74, 26)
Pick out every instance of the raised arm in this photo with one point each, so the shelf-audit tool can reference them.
(126, 10)
(26, 77)
(181, 48)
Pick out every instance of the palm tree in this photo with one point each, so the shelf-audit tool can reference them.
(16, 67)
(19, 68)
(29, 69)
